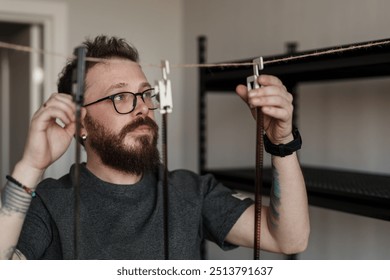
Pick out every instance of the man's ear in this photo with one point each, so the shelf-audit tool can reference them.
(83, 131)
(82, 117)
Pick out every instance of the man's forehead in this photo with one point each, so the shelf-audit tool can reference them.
(112, 64)
(116, 62)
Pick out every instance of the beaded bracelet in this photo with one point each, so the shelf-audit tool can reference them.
(26, 189)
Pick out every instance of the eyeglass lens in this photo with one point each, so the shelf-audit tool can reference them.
(126, 101)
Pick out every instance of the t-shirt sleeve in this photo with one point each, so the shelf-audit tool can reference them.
(36, 232)
(221, 209)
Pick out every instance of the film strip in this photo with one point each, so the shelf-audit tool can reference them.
(252, 83)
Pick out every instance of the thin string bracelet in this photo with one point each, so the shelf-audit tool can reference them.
(26, 189)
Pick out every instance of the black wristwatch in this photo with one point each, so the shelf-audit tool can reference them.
(283, 150)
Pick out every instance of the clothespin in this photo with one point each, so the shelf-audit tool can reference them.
(164, 89)
(78, 86)
(78, 75)
(257, 66)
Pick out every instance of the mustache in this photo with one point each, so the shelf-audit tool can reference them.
(147, 121)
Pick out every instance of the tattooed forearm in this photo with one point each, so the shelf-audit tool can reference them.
(273, 217)
(14, 199)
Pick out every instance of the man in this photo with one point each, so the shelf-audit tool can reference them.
(121, 189)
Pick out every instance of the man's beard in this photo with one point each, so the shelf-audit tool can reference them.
(142, 155)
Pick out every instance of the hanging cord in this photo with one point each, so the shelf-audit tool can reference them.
(336, 50)
(78, 76)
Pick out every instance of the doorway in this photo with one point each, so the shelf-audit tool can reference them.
(28, 78)
(21, 88)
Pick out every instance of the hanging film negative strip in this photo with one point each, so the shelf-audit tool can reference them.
(252, 83)
(164, 90)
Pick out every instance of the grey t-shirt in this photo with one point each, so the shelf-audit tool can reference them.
(126, 221)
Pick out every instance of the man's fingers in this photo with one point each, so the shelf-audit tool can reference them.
(242, 91)
(62, 102)
(269, 80)
(277, 113)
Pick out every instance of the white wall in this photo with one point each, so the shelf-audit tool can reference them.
(343, 124)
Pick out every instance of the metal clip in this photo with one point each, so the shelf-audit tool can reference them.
(164, 89)
(257, 66)
(78, 75)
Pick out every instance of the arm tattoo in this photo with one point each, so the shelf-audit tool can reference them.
(273, 217)
(14, 199)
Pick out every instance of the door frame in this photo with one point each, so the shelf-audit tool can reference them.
(53, 16)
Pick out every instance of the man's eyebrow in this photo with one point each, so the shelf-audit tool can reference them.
(118, 85)
(123, 85)
(144, 85)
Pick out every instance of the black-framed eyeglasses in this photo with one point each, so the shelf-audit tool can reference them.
(125, 102)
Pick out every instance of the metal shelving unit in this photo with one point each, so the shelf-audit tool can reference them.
(365, 194)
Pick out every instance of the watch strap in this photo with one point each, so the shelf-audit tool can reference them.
(283, 150)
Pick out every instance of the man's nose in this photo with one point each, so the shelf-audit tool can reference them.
(140, 107)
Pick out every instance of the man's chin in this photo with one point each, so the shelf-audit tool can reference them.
(137, 140)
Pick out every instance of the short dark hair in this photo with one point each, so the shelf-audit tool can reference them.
(100, 47)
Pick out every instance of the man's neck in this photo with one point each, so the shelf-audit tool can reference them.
(111, 175)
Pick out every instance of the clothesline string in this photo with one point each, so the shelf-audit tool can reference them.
(21, 48)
